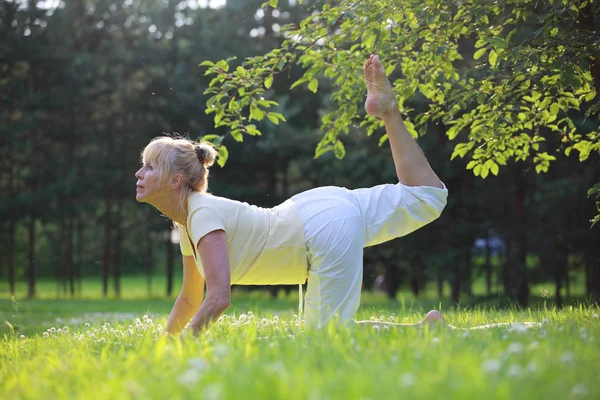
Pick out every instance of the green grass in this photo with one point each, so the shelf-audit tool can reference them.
(256, 352)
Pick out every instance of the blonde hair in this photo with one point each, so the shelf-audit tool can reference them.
(179, 155)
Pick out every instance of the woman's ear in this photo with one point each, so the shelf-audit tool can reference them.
(176, 181)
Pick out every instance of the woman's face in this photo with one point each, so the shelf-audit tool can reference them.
(148, 184)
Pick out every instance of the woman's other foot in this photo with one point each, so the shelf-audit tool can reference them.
(433, 317)
(380, 96)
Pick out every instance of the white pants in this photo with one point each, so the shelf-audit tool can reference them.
(339, 223)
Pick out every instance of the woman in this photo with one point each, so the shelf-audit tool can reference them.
(318, 235)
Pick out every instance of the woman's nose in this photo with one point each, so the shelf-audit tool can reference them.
(138, 174)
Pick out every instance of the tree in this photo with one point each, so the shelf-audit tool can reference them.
(502, 77)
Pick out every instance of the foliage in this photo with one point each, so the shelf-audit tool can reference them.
(493, 73)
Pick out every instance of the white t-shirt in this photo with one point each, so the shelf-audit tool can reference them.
(266, 245)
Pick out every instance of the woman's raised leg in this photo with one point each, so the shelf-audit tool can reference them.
(411, 165)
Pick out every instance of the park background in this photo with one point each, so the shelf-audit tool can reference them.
(503, 97)
(84, 86)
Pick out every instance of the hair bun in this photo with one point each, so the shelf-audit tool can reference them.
(206, 154)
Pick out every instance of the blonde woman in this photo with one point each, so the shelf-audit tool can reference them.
(316, 236)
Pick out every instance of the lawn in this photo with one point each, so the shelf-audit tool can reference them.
(94, 348)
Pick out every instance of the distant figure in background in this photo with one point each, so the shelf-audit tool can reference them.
(317, 235)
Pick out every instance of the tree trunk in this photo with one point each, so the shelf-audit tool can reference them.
(10, 256)
(149, 262)
(31, 278)
(117, 250)
(520, 279)
(79, 263)
(170, 265)
(107, 239)
(391, 280)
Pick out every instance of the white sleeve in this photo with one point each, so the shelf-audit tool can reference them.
(203, 221)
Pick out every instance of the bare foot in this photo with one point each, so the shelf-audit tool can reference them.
(380, 96)
(433, 317)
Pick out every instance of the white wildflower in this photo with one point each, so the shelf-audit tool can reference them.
(534, 345)
(213, 392)
(221, 350)
(491, 366)
(189, 377)
(408, 379)
(567, 357)
(46, 334)
(595, 316)
(22, 337)
(579, 390)
(514, 370)
(435, 339)
(545, 321)
(515, 348)
(531, 367)
(198, 363)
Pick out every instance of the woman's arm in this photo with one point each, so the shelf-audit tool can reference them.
(215, 260)
(190, 298)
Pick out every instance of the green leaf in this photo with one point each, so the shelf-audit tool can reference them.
(313, 85)
(223, 156)
(480, 53)
(256, 113)
(215, 139)
(494, 169)
(274, 117)
(252, 130)
(237, 135)
(493, 58)
(273, 3)
(206, 63)
(339, 151)
(269, 81)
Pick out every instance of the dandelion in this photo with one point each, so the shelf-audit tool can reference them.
(545, 321)
(59, 331)
(408, 379)
(198, 363)
(46, 334)
(491, 366)
(567, 357)
(579, 390)
(531, 367)
(87, 324)
(213, 392)
(514, 370)
(22, 337)
(515, 348)
(595, 316)
(435, 340)
(534, 345)
(189, 377)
